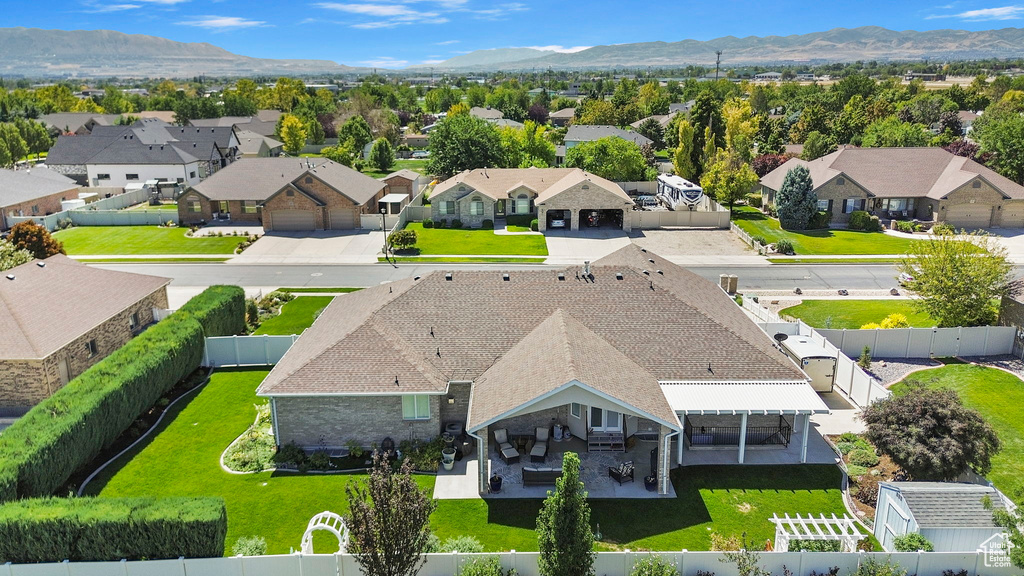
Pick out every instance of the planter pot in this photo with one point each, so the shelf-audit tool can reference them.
(448, 458)
(651, 483)
(495, 483)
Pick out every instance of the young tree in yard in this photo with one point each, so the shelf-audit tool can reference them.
(957, 277)
(728, 178)
(796, 201)
(613, 158)
(293, 134)
(11, 255)
(931, 434)
(682, 160)
(463, 142)
(388, 520)
(563, 526)
(36, 239)
(402, 239)
(382, 155)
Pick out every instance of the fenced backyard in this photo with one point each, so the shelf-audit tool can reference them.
(106, 212)
(262, 350)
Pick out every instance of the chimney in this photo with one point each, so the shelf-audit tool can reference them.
(586, 267)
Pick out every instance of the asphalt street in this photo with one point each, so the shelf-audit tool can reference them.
(778, 277)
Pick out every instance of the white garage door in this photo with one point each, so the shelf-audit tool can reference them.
(1013, 215)
(284, 220)
(969, 216)
(343, 219)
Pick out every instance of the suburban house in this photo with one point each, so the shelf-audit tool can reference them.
(263, 123)
(285, 194)
(147, 150)
(628, 351)
(60, 317)
(77, 122)
(908, 183)
(954, 517)
(662, 119)
(487, 113)
(253, 145)
(35, 192)
(579, 133)
(561, 117)
(565, 194)
(768, 76)
(677, 107)
(416, 140)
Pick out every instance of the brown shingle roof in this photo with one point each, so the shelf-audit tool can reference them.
(497, 183)
(673, 324)
(46, 307)
(261, 178)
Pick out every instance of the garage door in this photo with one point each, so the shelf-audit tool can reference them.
(969, 216)
(284, 220)
(1013, 215)
(343, 219)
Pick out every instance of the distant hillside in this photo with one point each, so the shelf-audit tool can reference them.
(35, 52)
(491, 58)
(837, 45)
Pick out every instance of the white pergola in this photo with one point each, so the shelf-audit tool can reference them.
(810, 528)
(330, 522)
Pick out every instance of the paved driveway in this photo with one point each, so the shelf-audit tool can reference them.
(334, 247)
(589, 244)
(1013, 240)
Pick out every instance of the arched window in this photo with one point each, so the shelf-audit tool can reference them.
(476, 207)
(522, 204)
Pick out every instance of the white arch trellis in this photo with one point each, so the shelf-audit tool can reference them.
(810, 528)
(330, 522)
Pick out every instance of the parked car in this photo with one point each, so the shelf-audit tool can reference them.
(557, 223)
(421, 154)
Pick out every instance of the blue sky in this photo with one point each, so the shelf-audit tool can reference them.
(397, 33)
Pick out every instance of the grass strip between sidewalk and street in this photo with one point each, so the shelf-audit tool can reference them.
(462, 260)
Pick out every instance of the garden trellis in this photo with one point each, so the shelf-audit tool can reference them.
(842, 529)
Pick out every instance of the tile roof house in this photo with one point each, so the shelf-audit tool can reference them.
(147, 150)
(908, 183)
(567, 194)
(285, 194)
(35, 192)
(599, 350)
(953, 516)
(58, 317)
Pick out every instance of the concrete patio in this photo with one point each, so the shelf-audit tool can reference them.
(818, 452)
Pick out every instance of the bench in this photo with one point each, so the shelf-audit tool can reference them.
(540, 476)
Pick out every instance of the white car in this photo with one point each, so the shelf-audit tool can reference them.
(420, 154)
(905, 278)
(557, 223)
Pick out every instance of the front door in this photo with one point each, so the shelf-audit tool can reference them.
(602, 420)
(499, 210)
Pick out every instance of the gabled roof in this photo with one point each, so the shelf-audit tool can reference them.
(73, 121)
(250, 142)
(18, 186)
(659, 317)
(410, 175)
(497, 183)
(44, 308)
(898, 172)
(577, 176)
(589, 133)
(949, 504)
(486, 113)
(260, 178)
(148, 141)
(563, 113)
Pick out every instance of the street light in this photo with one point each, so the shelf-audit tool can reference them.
(383, 228)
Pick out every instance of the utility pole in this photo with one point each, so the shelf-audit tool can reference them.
(718, 60)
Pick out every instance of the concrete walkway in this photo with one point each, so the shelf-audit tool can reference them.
(330, 247)
(87, 257)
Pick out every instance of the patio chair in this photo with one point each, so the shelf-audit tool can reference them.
(539, 452)
(508, 452)
(622, 473)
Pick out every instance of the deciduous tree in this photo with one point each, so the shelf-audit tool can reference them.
(463, 142)
(293, 134)
(682, 159)
(891, 133)
(11, 255)
(612, 158)
(728, 178)
(564, 537)
(36, 239)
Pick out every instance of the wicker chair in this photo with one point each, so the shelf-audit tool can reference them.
(506, 450)
(539, 452)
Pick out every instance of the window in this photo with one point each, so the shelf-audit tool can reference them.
(448, 207)
(131, 176)
(133, 322)
(35, 209)
(194, 206)
(522, 204)
(416, 407)
(90, 348)
(103, 176)
(976, 184)
(576, 410)
(192, 174)
(308, 180)
(840, 181)
(224, 206)
(249, 206)
(851, 204)
(476, 207)
(289, 192)
(179, 180)
(822, 204)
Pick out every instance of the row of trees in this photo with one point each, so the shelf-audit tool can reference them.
(20, 138)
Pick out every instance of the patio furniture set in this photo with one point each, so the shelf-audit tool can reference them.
(509, 446)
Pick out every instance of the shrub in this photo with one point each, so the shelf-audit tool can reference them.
(320, 460)
(462, 544)
(859, 220)
(487, 224)
(428, 223)
(874, 567)
(870, 326)
(874, 225)
(653, 566)
(249, 546)
(519, 220)
(905, 226)
(456, 223)
(534, 225)
(109, 529)
(861, 457)
(895, 320)
(943, 229)
(402, 239)
(486, 566)
(819, 220)
(424, 456)
(912, 542)
(754, 200)
(867, 489)
(814, 546)
(290, 454)
(865, 358)
(854, 471)
(759, 240)
(784, 246)
(720, 543)
(220, 310)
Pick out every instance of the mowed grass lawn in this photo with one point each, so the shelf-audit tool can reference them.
(183, 460)
(467, 242)
(852, 314)
(132, 240)
(295, 316)
(828, 241)
(998, 396)
(416, 165)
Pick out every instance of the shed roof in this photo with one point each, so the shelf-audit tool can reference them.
(949, 504)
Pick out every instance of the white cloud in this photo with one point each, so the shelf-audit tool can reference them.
(446, 42)
(562, 49)
(390, 13)
(431, 61)
(983, 14)
(105, 8)
(165, 2)
(222, 23)
(385, 62)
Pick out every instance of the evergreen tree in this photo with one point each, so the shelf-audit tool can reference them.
(796, 201)
(564, 537)
(382, 155)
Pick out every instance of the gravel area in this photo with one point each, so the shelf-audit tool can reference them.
(691, 242)
(892, 370)
(1006, 362)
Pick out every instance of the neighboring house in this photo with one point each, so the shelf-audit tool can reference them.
(403, 182)
(60, 317)
(794, 149)
(908, 183)
(631, 347)
(662, 119)
(967, 119)
(567, 194)
(487, 113)
(150, 149)
(263, 123)
(768, 76)
(561, 117)
(285, 194)
(954, 517)
(78, 122)
(416, 140)
(162, 115)
(253, 145)
(35, 192)
(506, 123)
(579, 133)
(681, 107)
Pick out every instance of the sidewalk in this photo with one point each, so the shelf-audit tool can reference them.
(87, 257)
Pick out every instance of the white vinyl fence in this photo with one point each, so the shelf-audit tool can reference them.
(105, 212)
(262, 350)
(925, 342)
(525, 563)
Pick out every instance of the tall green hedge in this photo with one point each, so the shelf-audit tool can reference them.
(105, 529)
(219, 309)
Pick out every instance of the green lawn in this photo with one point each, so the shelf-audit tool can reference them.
(161, 207)
(465, 242)
(755, 223)
(998, 396)
(315, 289)
(462, 260)
(295, 316)
(182, 459)
(199, 260)
(853, 314)
(130, 240)
(417, 165)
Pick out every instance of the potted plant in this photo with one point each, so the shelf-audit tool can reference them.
(448, 457)
(651, 483)
(495, 483)
(449, 439)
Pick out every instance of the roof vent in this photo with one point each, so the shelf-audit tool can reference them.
(561, 276)
(415, 277)
(505, 277)
(660, 272)
(448, 276)
(647, 272)
(618, 275)
(10, 276)
(41, 264)
(651, 260)
(586, 267)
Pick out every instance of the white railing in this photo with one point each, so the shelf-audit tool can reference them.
(925, 342)
(262, 350)
(524, 563)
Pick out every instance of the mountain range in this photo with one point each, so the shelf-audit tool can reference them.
(101, 53)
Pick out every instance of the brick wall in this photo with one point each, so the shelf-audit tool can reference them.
(985, 195)
(43, 205)
(527, 423)
(339, 419)
(458, 410)
(209, 207)
(580, 197)
(26, 383)
(283, 201)
(835, 192)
